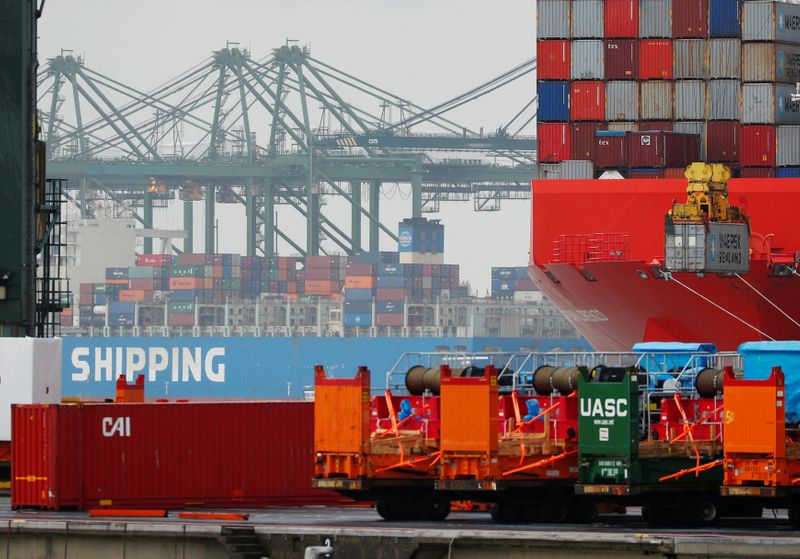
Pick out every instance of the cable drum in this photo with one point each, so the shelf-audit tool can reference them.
(415, 380)
(541, 380)
(548, 379)
(709, 382)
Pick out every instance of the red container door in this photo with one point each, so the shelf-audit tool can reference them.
(722, 141)
(621, 19)
(757, 173)
(758, 146)
(587, 100)
(621, 59)
(553, 59)
(680, 149)
(553, 141)
(582, 140)
(689, 19)
(611, 151)
(665, 125)
(655, 59)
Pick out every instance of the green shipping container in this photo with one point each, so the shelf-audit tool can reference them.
(98, 288)
(181, 307)
(185, 271)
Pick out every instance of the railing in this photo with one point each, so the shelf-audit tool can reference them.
(594, 247)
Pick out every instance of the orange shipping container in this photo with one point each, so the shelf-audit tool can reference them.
(116, 282)
(322, 287)
(186, 283)
(132, 296)
(208, 283)
(359, 282)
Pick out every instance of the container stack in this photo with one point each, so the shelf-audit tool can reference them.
(513, 283)
(644, 87)
(324, 275)
(359, 290)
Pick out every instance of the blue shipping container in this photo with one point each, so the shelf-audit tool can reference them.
(761, 357)
(503, 285)
(391, 281)
(117, 273)
(351, 306)
(724, 18)
(553, 101)
(389, 307)
(358, 294)
(120, 320)
(391, 269)
(121, 308)
(100, 299)
(788, 172)
(358, 319)
(184, 295)
(504, 273)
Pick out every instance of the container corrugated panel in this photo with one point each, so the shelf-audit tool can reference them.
(553, 101)
(552, 141)
(689, 18)
(587, 19)
(655, 100)
(724, 99)
(765, 103)
(553, 59)
(662, 149)
(771, 21)
(724, 18)
(552, 19)
(758, 146)
(622, 100)
(582, 139)
(694, 127)
(788, 173)
(690, 100)
(725, 58)
(621, 59)
(621, 19)
(611, 151)
(788, 146)
(722, 141)
(174, 455)
(655, 18)
(587, 100)
(577, 169)
(757, 173)
(655, 59)
(622, 126)
(770, 62)
(690, 61)
(651, 125)
(587, 60)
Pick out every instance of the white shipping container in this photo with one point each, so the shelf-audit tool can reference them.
(577, 169)
(725, 58)
(587, 60)
(694, 127)
(655, 18)
(622, 126)
(622, 100)
(689, 59)
(771, 21)
(770, 62)
(528, 296)
(587, 19)
(707, 247)
(30, 373)
(549, 171)
(552, 19)
(690, 100)
(766, 103)
(655, 100)
(788, 146)
(723, 99)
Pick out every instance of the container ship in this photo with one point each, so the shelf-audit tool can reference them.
(639, 89)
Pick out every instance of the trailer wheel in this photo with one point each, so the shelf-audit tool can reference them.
(440, 508)
(553, 512)
(509, 513)
(496, 511)
(794, 515)
(582, 511)
(655, 515)
(385, 509)
(395, 509)
(705, 511)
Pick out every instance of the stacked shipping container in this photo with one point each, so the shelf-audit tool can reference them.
(514, 283)
(722, 70)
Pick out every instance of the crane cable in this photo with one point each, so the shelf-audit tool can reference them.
(780, 310)
(670, 277)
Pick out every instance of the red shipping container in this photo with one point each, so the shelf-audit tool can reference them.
(553, 141)
(192, 259)
(621, 59)
(689, 19)
(180, 320)
(757, 173)
(389, 319)
(662, 149)
(320, 262)
(143, 283)
(611, 152)
(390, 293)
(186, 283)
(758, 146)
(164, 455)
(655, 59)
(320, 273)
(675, 173)
(154, 260)
(360, 269)
(722, 141)
(621, 18)
(553, 60)
(134, 296)
(587, 100)
(322, 287)
(665, 125)
(582, 139)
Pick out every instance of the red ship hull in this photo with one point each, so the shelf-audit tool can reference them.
(597, 254)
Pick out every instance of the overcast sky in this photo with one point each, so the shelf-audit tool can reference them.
(424, 50)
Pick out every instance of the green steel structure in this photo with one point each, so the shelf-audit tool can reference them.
(196, 136)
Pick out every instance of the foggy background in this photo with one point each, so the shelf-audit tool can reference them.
(426, 51)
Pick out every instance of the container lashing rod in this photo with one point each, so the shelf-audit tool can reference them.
(536, 417)
(696, 470)
(688, 432)
(395, 430)
(540, 463)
